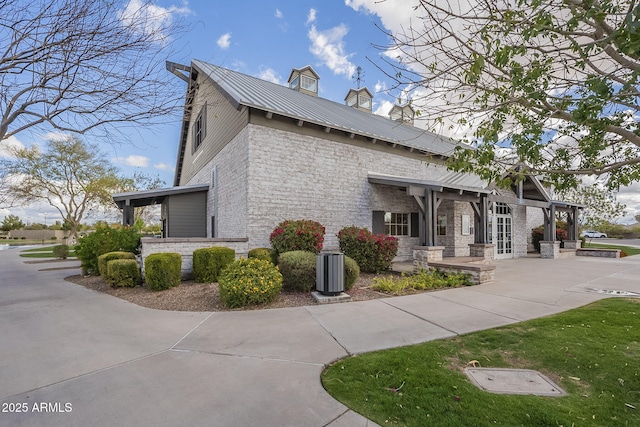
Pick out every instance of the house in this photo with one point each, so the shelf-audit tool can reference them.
(253, 153)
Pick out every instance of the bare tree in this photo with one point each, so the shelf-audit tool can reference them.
(552, 85)
(76, 65)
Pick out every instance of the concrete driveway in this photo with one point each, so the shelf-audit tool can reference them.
(74, 357)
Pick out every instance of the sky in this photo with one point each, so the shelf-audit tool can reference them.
(266, 39)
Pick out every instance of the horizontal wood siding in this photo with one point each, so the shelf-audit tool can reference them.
(223, 123)
(187, 215)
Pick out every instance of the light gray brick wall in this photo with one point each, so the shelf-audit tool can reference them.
(535, 218)
(293, 176)
(519, 232)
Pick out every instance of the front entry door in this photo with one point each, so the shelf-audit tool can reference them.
(502, 230)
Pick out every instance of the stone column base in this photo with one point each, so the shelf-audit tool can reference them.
(550, 249)
(572, 244)
(482, 250)
(422, 255)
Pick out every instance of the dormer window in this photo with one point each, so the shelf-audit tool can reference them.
(364, 102)
(304, 80)
(359, 98)
(402, 113)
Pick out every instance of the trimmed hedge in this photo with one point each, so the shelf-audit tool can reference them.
(61, 251)
(298, 270)
(373, 252)
(123, 273)
(105, 239)
(297, 235)
(249, 281)
(537, 234)
(163, 270)
(266, 254)
(208, 262)
(104, 259)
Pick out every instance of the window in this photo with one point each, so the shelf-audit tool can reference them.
(396, 224)
(365, 102)
(441, 227)
(199, 129)
(351, 101)
(309, 83)
(294, 83)
(502, 209)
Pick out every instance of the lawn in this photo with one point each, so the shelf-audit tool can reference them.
(592, 352)
(44, 252)
(627, 249)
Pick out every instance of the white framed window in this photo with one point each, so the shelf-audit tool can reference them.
(396, 224)
(294, 83)
(351, 101)
(441, 227)
(309, 83)
(199, 129)
(365, 102)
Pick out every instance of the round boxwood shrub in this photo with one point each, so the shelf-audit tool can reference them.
(163, 270)
(266, 254)
(123, 273)
(297, 235)
(298, 270)
(104, 259)
(208, 262)
(249, 281)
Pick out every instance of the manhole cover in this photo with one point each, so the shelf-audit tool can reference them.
(615, 292)
(513, 381)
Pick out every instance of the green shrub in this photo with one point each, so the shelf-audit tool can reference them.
(249, 281)
(373, 252)
(208, 262)
(537, 234)
(351, 272)
(54, 238)
(110, 256)
(266, 254)
(298, 270)
(163, 270)
(105, 239)
(297, 235)
(123, 273)
(424, 280)
(61, 251)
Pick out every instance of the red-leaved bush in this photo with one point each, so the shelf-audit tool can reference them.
(297, 235)
(373, 252)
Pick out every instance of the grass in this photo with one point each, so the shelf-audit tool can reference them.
(627, 249)
(44, 252)
(592, 352)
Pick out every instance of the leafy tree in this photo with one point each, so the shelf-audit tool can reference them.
(551, 85)
(11, 222)
(143, 182)
(637, 218)
(68, 174)
(75, 65)
(600, 205)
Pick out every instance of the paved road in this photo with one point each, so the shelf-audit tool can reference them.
(91, 359)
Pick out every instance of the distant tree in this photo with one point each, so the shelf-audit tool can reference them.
(637, 218)
(76, 65)
(11, 222)
(600, 204)
(143, 182)
(551, 85)
(68, 174)
(36, 226)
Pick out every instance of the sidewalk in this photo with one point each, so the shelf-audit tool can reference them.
(117, 363)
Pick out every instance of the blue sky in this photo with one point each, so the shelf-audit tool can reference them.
(265, 39)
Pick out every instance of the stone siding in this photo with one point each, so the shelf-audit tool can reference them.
(186, 246)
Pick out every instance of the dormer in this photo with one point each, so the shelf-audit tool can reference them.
(402, 113)
(359, 98)
(304, 80)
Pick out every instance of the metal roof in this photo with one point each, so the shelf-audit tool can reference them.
(454, 181)
(151, 197)
(245, 90)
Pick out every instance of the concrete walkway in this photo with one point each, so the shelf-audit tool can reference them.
(93, 359)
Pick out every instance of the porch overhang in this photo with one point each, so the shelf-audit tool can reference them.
(128, 201)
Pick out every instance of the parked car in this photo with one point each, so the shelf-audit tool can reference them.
(592, 234)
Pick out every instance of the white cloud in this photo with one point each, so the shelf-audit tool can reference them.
(224, 41)
(8, 144)
(328, 47)
(311, 17)
(278, 14)
(163, 167)
(384, 108)
(151, 19)
(133, 160)
(380, 86)
(270, 75)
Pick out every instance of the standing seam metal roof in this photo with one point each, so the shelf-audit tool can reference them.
(270, 97)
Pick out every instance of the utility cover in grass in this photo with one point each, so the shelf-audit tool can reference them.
(513, 381)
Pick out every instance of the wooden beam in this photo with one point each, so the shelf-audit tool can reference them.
(269, 115)
(352, 135)
(300, 123)
(420, 202)
(327, 129)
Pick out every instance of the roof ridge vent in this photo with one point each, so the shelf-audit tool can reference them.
(304, 80)
(403, 113)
